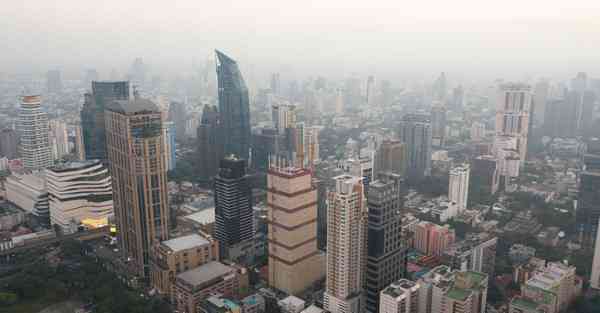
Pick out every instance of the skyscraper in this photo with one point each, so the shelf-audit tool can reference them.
(391, 157)
(234, 107)
(9, 141)
(178, 115)
(458, 187)
(79, 147)
(439, 88)
(33, 128)
(371, 96)
(346, 246)
(438, 124)
(386, 245)
(210, 146)
(540, 98)
(134, 142)
(513, 108)
(295, 263)
(233, 209)
(588, 205)
(283, 116)
(458, 98)
(595, 278)
(415, 131)
(92, 115)
(59, 139)
(53, 81)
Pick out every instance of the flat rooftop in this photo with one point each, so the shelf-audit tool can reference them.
(205, 273)
(186, 242)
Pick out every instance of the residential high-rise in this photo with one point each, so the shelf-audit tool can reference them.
(391, 157)
(233, 210)
(458, 187)
(92, 116)
(80, 193)
(178, 115)
(234, 107)
(79, 146)
(295, 263)
(371, 96)
(557, 278)
(210, 146)
(53, 81)
(458, 98)
(446, 291)
(346, 246)
(134, 144)
(283, 116)
(352, 97)
(540, 98)
(386, 243)
(595, 277)
(513, 107)
(9, 143)
(438, 125)
(59, 139)
(169, 146)
(415, 131)
(432, 239)
(588, 204)
(401, 296)
(33, 128)
(439, 88)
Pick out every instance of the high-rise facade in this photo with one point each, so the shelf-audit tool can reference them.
(234, 107)
(178, 115)
(134, 144)
(92, 115)
(458, 187)
(283, 116)
(210, 146)
(390, 156)
(53, 81)
(34, 128)
(401, 296)
(9, 143)
(386, 244)
(595, 277)
(513, 107)
(371, 97)
(79, 146)
(432, 239)
(588, 206)
(540, 99)
(233, 209)
(295, 262)
(59, 139)
(415, 131)
(438, 125)
(346, 246)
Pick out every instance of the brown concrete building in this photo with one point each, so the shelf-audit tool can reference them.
(390, 157)
(139, 176)
(295, 262)
(177, 255)
(197, 284)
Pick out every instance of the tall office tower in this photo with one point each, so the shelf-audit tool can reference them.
(415, 131)
(458, 187)
(371, 96)
(275, 84)
(439, 88)
(210, 146)
(458, 98)
(432, 239)
(387, 97)
(283, 116)
(234, 107)
(540, 97)
(79, 147)
(80, 193)
(9, 143)
(588, 206)
(233, 210)
(59, 139)
(446, 291)
(169, 145)
(138, 73)
(401, 296)
(53, 81)
(33, 127)
(352, 95)
(295, 263)
(89, 76)
(92, 116)
(595, 278)
(178, 115)
(346, 246)
(339, 101)
(386, 245)
(390, 157)
(438, 125)
(134, 144)
(513, 107)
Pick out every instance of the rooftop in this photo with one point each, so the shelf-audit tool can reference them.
(458, 293)
(135, 105)
(204, 273)
(186, 242)
(523, 303)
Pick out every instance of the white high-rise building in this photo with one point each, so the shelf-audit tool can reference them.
(595, 279)
(80, 193)
(458, 188)
(346, 246)
(33, 128)
(59, 139)
(400, 297)
(513, 109)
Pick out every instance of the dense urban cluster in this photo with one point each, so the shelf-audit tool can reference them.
(211, 194)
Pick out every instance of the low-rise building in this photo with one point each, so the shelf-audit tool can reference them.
(519, 253)
(28, 191)
(476, 253)
(195, 285)
(291, 304)
(10, 215)
(173, 256)
(400, 297)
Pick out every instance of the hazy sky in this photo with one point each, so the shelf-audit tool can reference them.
(331, 37)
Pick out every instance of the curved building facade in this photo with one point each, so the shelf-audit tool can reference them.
(79, 193)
